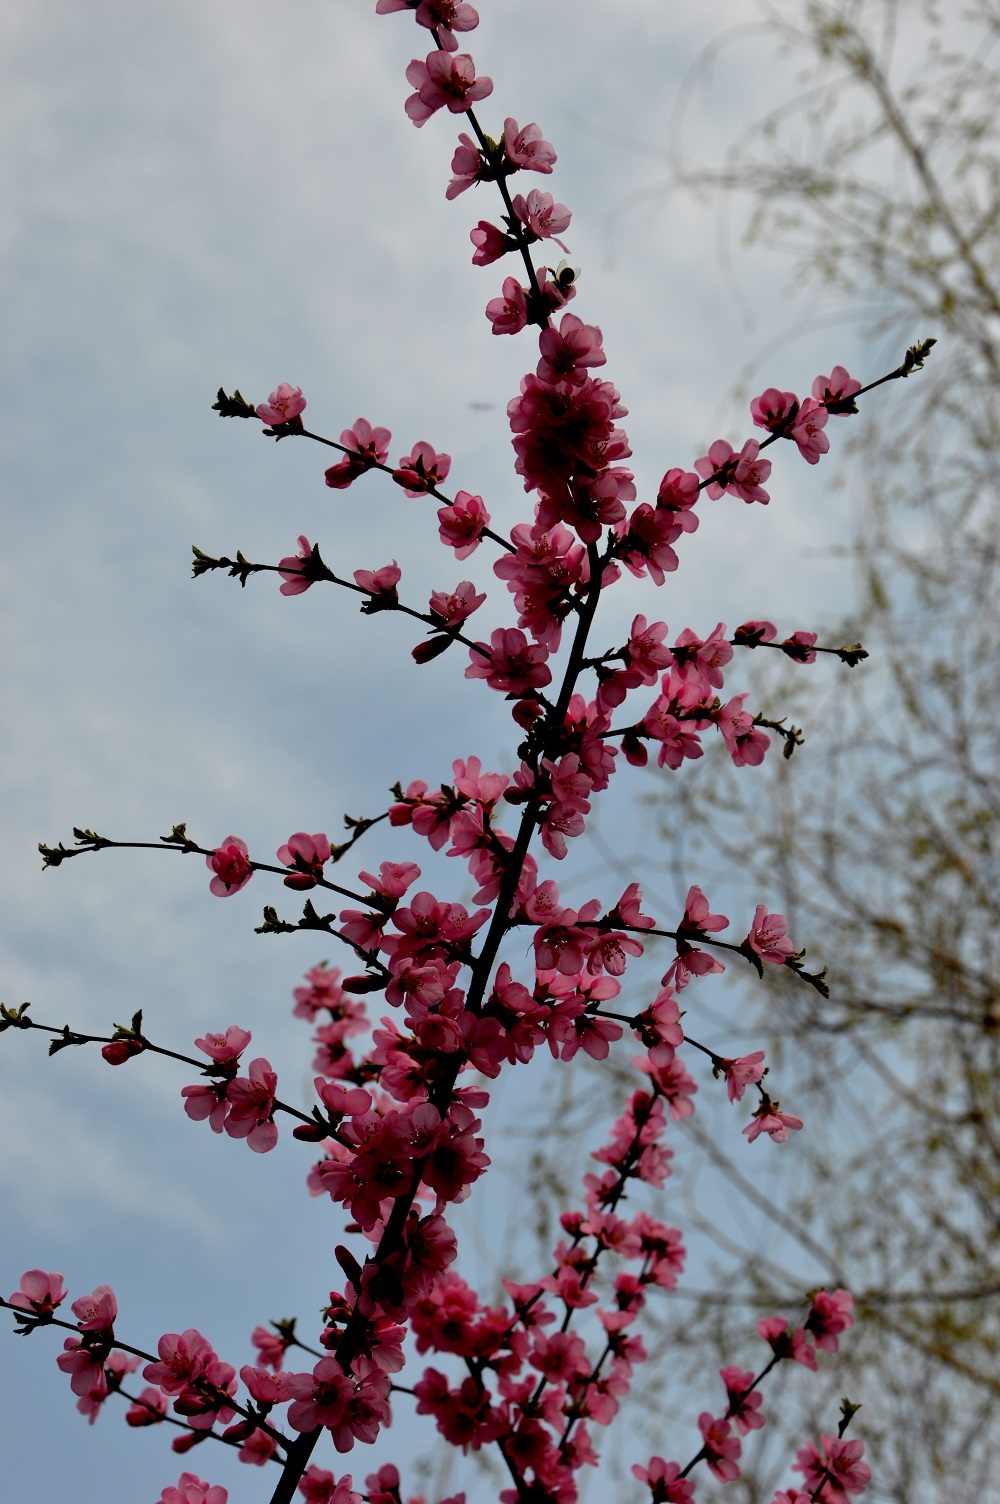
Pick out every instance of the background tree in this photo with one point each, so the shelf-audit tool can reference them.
(880, 839)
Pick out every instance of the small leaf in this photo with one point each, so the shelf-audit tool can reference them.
(235, 406)
(66, 1038)
(14, 1018)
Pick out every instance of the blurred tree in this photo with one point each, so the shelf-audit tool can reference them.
(881, 178)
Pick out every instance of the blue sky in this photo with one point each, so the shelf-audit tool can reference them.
(231, 194)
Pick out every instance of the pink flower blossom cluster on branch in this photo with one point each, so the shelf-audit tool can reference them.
(396, 1119)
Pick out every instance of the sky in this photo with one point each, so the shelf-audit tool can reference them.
(197, 196)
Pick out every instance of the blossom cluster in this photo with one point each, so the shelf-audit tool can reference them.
(399, 1099)
(532, 1385)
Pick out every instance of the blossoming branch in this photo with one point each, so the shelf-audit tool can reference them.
(396, 1120)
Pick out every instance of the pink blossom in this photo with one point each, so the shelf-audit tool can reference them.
(647, 544)
(674, 721)
(427, 811)
(662, 1247)
(466, 165)
(567, 351)
(490, 243)
(455, 1158)
(720, 1448)
(744, 1400)
(251, 1107)
(117, 1365)
(509, 313)
(291, 569)
(560, 1356)
(184, 1357)
(741, 1073)
(421, 470)
(470, 780)
(148, 1409)
(85, 1365)
(284, 404)
(669, 1075)
(208, 1399)
(323, 990)
(544, 568)
(320, 1487)
(679, 492)
(232, 867)
(543, 216)
(776, 411)
(339, 1099)
(443, 79)
(306, 855)
(448, 16)
(807, 430)
(425, 926)
(836, 391)
(201, 1102)
(556, 286)
(830, 1315)
(560, 943)
(393, 878)
(257, 1447)
(609, 951)
(701, 662)
(96, 1312)
(690, 962)
(353, 1408)
(592, 503)
(767, 1119)
(271, 1347)
(120, 1050)
(225, 1049)
(834, 1466)
(457, 606)
(40, 1293)
(525, 147)
(383, 1486)
(557, 434)
(647, 652)
(569, 783)
(767, 938)
(367, 443)
(266, 1388)
(510, 663)
(463, 523)
(380, 584)
(366, 446)
(586, 1031)
(628, 909)
(569, 1286)
(739, 474)
(697, 920)
(665, 1482)
(747, 744)
(752, 633)
(316, 1485)
(800, 647)
(191, 1490)
(660, 1024)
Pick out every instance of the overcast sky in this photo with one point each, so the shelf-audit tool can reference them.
(196, 195)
